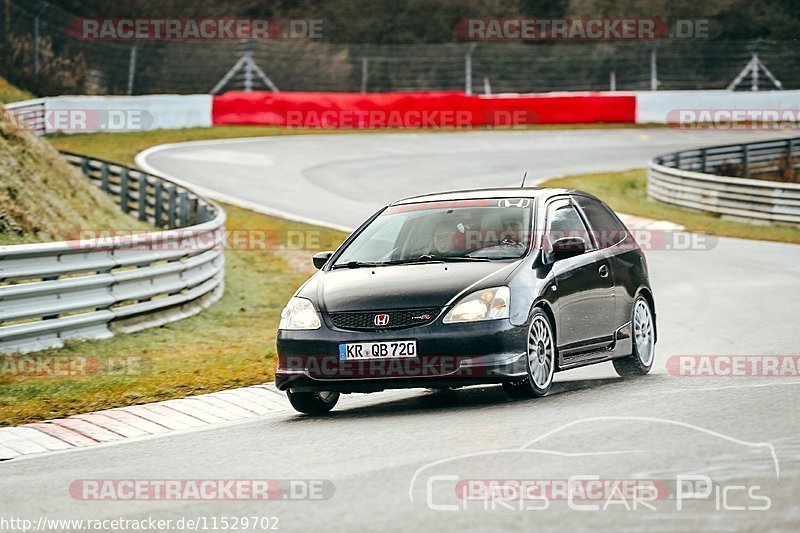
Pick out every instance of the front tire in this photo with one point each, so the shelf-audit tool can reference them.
(643, 339)
(540, 358)
(313, 403)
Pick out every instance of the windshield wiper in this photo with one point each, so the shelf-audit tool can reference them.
(498, 258)
(421, 259)
(356, 264)
(435, 259)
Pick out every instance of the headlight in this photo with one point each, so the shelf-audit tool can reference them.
(486, 304)
(299, 313)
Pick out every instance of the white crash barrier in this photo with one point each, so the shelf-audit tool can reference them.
(89, 114)
(663, 107)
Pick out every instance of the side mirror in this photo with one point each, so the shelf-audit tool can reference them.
(568, 247)
(321, 258)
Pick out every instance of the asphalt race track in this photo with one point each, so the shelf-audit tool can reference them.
(396, 458)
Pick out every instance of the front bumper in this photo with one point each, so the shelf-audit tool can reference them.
(448, 355)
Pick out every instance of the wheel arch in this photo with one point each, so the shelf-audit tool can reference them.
(647, 294)
(547, 309)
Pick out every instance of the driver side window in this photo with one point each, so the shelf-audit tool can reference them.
(563, 220)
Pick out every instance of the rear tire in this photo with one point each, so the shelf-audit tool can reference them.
(313, 403)
(643, 340)
(540, 360)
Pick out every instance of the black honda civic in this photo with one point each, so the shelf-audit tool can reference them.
(470, 287)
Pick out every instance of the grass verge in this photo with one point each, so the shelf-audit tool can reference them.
(626, 192)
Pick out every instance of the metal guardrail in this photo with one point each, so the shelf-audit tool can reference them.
(694, 179)
(93, 287)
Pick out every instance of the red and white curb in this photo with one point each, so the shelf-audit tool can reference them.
(141, 420)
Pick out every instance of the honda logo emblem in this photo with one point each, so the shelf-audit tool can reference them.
(381, 320)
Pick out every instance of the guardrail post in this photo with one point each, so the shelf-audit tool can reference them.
(104, 177)
(184, 203)
(123, 191)
(192, 211)
(173, 206)
(745, 160)
(677, 160)
(85, 166)
(159, 203)
(142, 197)
(703, 160)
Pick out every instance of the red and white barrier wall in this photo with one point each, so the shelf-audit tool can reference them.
(456, 109)
(419, 109)
(397, 110)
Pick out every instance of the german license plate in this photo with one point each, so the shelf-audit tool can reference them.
(377, 350)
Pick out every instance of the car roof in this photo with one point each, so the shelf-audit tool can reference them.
(497, 192)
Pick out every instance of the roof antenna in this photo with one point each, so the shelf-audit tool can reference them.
(523, 179)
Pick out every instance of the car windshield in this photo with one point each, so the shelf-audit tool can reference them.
(461, 230)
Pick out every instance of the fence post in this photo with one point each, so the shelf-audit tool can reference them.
(123, 191)
(142, 197)
(159, 203)
(192, 215)
(104, 177)
(131, 68)
(36, 39)
(364, 73)
(612, 81)
(173, 206)
(468, 69)
(746, 160)
(654, 67)
(184, 203)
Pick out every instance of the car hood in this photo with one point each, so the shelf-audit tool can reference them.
(416, 286)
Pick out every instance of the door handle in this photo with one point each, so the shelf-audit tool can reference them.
(603, 271)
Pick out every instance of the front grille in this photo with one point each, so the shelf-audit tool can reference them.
(398, 319)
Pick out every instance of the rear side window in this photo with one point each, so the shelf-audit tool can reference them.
(607, 228)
